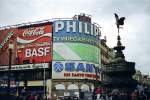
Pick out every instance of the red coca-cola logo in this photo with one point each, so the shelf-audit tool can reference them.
(34, 31)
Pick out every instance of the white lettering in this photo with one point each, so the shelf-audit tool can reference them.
(86, 29)
(40, 50)
(34, 53)
(77, 26)
(6, 39)
(80, 27)
(71, 25)
(25, 66)
(46, 50)
(96, 31)
(92, 33)
(27, 52)
(37, 52)
(59, 25)
(34, 31)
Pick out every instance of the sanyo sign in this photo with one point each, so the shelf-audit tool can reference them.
(74, 26)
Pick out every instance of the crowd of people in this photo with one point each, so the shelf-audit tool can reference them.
(22, 97)
(31, 97)
(117, 94)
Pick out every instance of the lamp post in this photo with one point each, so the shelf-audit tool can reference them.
(95, 83)
(11, 46)
(44, 83)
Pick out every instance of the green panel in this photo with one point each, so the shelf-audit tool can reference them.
(56, 56)
(85, 51)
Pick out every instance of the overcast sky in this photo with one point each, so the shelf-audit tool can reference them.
(135, 34)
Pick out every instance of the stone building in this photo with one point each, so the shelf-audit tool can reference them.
(107, 53)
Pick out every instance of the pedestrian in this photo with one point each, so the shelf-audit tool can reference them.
(115, 94)
(94, 96)
(134, 95)
(142, 96)
(128, 96)
(39, 97)
(35, 96)
(31, 97)
(102, 97)
(109, 96)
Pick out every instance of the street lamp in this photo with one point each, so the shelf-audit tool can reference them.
(95, 68)
(44, 83)
(11, 47)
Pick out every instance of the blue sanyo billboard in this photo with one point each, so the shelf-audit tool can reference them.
(76, 31)
(75, 70)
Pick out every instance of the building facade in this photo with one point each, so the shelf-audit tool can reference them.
(76, 56)
(49, 56)
(142, 79)
(107, 55)
(28, 64)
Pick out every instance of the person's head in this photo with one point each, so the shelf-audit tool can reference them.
(109, 94)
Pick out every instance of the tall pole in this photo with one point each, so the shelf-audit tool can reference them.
(118, 30)
(9, 70)
(44, 84)
(96, 75)
(95, 86)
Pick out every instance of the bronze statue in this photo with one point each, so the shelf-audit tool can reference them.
(119, 21)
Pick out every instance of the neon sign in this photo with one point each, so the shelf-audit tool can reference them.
(10, 34)
(72, 26)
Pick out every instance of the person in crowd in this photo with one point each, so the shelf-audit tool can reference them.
(115, 94)
(134, 95)
(94, 96)
(39, 97)
(31, 97)
(128, 95)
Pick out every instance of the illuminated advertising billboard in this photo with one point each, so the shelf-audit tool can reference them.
(5, 36)
(76, 51)
(76, 31)
(75, 70)
(25, 66)
(34, 43)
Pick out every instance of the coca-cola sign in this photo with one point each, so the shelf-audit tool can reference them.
(34, 44)
(34, 31)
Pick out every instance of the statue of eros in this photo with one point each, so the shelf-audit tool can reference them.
(119, 21)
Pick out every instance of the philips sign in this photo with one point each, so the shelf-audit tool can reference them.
(73, 26)
(76, 31)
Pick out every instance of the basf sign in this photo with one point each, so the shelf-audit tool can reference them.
(76, 31)
(75, 70)
(34, 43)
